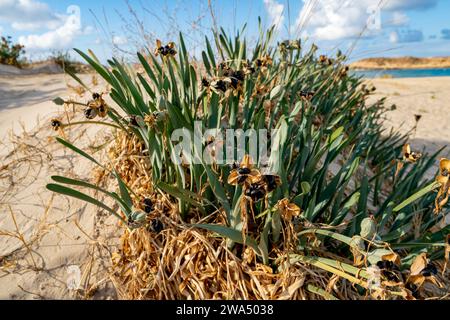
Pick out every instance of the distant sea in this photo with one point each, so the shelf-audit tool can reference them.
(403, 73)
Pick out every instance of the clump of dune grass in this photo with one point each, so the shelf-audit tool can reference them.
(341, 211)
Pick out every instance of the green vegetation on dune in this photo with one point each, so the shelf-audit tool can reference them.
(339, 183)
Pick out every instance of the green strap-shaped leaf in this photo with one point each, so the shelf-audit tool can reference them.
(124, 194)
(98, 67)
(218, 189)
(417, 195)
(80, 152)
(81, 196)
(229, 233)
(80, 183)
(328, 233)
(181, 194)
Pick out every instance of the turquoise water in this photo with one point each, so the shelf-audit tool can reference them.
(403, 73)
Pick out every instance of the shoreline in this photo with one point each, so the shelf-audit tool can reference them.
(398, 68)
(401, 63)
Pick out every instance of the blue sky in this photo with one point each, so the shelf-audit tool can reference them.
(392, 27)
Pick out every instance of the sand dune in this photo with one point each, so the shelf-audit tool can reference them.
(46, 67)
(43, 235)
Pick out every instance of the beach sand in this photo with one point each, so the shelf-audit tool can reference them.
(42, 235)
(46, 239)
(427, 97)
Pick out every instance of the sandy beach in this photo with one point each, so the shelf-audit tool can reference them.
(427, 97)
(42, 235)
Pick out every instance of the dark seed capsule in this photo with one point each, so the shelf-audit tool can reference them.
(272, 182)
(239, 75)
(90, 113)
(243, 171)
(430, 270)
(205, 83)
(95, 96)
(414, 290)
(241, 179)
(256, 192)
(227, 72)
(162, 50)
(56, 124)
(147, 205)
(306, 94)
(133, 121)
(156, 226)
(385, 265)
(221, 85)
(391, 276)
(234, 83)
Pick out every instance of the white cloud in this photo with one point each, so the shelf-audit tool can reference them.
(59, 38)
(332, 19)
(119, 40)
(341, 19)
(399, 19)
(275, 11)
(28, 15)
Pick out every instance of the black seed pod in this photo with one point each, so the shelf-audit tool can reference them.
(133, 121)
(162, 51)
(272, 182)
(307, 94)
(56, 124)
(171, 51)
(205, 83)
(221, 85)
(391, 276)
(385, 265)
(156, 226)
(430, 270)
(244, 171)
(241, 179)
(147, 205)
(234, 83)
(95, 96)
(256, 192)
(414, 290)
(239, 75)
(90, 113)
